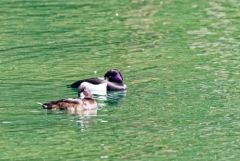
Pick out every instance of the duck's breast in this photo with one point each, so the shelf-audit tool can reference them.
(89, 104)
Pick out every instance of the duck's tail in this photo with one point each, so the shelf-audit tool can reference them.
(41, 104)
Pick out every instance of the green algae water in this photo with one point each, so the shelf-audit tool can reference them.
(179, 58)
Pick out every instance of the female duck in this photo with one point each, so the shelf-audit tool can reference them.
(112, 81)
(73, 105)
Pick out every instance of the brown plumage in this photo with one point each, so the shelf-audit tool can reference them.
(73, 105)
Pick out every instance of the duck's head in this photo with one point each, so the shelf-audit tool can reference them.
(84, 92)
(114, 75)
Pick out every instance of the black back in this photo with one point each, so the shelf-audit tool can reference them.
(90, 80)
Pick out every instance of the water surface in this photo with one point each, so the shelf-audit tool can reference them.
(180, 60)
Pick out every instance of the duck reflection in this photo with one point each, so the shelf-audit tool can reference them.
(113, 98)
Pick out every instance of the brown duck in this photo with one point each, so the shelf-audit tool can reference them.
(73, 105)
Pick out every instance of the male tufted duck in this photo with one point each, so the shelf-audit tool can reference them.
(112, 81)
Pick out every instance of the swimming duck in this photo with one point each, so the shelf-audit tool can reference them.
(112, 81)
(74, 105)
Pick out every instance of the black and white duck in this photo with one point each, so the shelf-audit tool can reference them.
(112, 81)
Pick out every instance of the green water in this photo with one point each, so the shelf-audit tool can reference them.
(179, 58)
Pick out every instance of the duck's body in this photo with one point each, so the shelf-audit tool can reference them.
(73, 105)
(98, 89)
(112, 81)
(65, 104)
